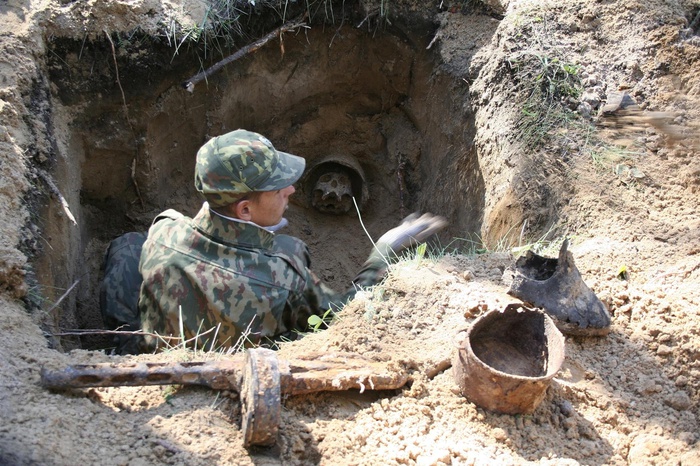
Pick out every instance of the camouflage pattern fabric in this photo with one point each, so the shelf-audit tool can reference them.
(119, 290)
(240, 162)
(232, 279)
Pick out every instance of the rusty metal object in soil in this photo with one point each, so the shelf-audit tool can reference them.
(556, 285)
(506, 360)
(261, 402)
(256, 375)
(307, 373)
(218, 375)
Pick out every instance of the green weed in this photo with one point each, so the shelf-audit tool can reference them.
(419, 254)
(548, 82)
(623, 273)
(315, 322)
(169, 393)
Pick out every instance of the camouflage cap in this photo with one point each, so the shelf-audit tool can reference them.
(240, 162)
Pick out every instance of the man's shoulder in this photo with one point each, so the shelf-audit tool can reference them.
(166, 221)
(170, 214)
(167, 233)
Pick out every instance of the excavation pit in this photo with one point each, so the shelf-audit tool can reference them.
(129, 135)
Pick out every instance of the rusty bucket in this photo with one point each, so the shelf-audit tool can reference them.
(506, 360)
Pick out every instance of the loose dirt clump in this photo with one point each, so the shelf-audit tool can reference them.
(498, 115)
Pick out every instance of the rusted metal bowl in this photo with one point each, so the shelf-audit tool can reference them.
(506, 360)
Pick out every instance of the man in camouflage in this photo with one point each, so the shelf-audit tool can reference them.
(225, 274)
(119, 291)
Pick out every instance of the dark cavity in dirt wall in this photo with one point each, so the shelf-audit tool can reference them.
(375, 99)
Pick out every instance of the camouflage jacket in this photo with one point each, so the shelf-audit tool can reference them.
(119, 290)
(230, 279)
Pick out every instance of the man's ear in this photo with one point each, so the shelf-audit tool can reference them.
(242, 210)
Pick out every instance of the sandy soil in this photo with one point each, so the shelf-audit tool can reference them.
(632, 397)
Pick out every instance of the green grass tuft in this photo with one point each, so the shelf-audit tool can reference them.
(549, 84)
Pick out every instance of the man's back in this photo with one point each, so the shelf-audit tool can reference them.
(213, 275)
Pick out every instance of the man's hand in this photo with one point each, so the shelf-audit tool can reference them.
(413, 230)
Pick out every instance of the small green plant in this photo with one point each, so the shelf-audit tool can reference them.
(315, 322)
(413, 255)
(36, 296)
(419, 254)
(169, 393)
(623, 273)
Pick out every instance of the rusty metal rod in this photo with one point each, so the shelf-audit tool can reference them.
(307, 374)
